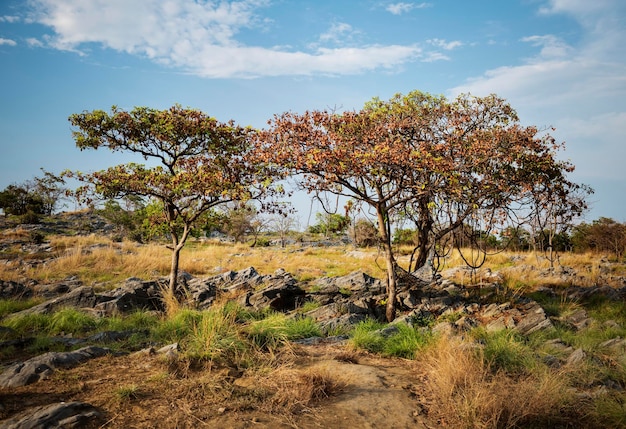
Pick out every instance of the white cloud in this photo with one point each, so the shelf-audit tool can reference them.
(400, 8)
(7, 42)
(34, 43)
(443, 44)
(338, 32)
(9, 18)
(200, 37)
(579, 89)
(551, 46)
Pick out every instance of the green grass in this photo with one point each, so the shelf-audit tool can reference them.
(406, 342)
(9, 306)
(214, 336)
(126, 393)
(365, 336)
(71, 321)
(505, 350)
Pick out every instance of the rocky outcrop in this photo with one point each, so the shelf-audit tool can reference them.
(40, 367)
(61, 415)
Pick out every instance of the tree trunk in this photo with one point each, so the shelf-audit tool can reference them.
(174, 269)
(385, 238)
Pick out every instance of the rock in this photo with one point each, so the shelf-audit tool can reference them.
(282, 293)
(357, 283)
(533, 319)
(617, 345)
(500, 324)
(52, 290)
(577, 320)
(444, 328)
(11, 290)
(81, 297)
(40, 367)
(135, 294)
(577, 356)
(61, 415)
(341, 323)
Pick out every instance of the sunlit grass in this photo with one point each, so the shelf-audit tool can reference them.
(96, 259)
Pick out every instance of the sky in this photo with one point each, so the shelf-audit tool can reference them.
(560, 63)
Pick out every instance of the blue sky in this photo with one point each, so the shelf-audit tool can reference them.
(560, 63)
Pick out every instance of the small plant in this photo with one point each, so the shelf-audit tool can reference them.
(269, 333)
(366, 336)
(505, 350)
(126, 393)
(298, 390)
(309, 306)
(406, 342)
(28, 324)
(215, 336)
(345, 291)
(302, 327)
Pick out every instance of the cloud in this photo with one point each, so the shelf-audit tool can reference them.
(551, 46)
(7, 42)
(338, 33)
(201, 38)
(400, 8)
(9, 18)
(579, 88)
(443, 44)
(34, 43)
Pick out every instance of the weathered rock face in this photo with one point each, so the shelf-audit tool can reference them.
(281, 293)
(61, 415)
(135, 294)
(81, 297)
(43, 366)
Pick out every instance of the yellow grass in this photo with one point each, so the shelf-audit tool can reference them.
(469, 395)
(97, 259)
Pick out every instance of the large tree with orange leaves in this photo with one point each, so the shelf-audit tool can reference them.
(200, 163)
(436, 161)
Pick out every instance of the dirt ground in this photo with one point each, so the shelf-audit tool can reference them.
(142, 391)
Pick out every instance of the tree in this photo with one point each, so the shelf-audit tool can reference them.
(18, 200)
(441, 163)
(50, 189)
(282, 224)
(330, 223)
(202, 163)
(242, 220)
(364, 233)
(602, 235)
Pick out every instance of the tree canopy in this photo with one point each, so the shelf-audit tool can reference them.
(440, 163)
(201, 163)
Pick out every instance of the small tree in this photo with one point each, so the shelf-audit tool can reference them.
(282, 224)
(330, 223)
(202, 163)
(364, 233)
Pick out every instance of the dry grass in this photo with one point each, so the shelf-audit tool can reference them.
(97, 259)
(469, 395)
(296, 390)
(100, 260)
